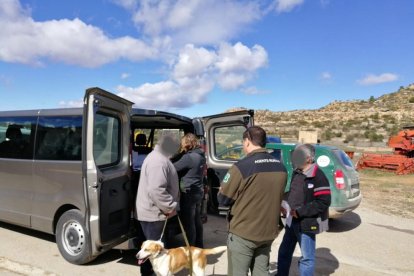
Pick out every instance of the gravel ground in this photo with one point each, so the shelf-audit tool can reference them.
(362, 242)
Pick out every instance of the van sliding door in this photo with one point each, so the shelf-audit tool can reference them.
(106, 165)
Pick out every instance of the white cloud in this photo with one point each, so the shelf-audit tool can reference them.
(197, 21)
(195, 73)
(372, 79)
(238, 63)
(165, 95)
(253, 91)
(69, 41)
(287, 5)
(193, 61)
(231, 81)
(127, 4)
(326, 76)
(241, 58)
(187, 36)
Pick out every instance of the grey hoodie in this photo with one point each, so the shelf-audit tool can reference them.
(158, 189)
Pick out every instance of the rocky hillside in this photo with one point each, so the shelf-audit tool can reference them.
(358, 122)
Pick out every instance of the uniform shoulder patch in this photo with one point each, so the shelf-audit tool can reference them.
(226, 178)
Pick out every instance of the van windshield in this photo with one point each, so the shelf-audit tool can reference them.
(344, 158)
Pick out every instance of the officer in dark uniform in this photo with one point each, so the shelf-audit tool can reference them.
(253, 189)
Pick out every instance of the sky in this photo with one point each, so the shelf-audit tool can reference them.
(202, 57)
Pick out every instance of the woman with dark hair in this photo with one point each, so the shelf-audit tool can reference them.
(190, 168)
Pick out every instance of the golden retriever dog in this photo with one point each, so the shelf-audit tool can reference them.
(166, 262)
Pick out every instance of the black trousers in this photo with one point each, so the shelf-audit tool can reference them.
(190, 215)
(149, 231)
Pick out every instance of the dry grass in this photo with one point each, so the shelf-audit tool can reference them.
(388, 193)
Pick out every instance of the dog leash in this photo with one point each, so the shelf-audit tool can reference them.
(163, 229)
(185, 240)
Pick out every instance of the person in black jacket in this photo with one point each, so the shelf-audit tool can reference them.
(307, 202)
(190, 168)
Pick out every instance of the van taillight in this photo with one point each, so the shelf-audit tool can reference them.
(339, 180)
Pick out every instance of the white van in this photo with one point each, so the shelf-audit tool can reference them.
(68, 172)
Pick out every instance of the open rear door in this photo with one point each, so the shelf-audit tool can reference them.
(106, 170)
(223, 133)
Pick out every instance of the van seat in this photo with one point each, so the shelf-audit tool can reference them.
(51, 147)
(140, 151)
(12, 146)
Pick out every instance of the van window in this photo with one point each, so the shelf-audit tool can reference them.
(343, 158)
(16, 137)
(106, 137)
(59, 138)
(229, 142)
(276, 153)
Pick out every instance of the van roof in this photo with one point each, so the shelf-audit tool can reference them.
(152, 112)
(79, 111)
(161, 119)
(49, 112)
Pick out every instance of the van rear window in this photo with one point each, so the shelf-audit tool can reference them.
(228, 142)
(277, 153)
(343, 158)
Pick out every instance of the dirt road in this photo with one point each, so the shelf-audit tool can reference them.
(363, 242)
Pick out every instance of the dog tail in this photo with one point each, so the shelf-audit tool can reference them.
(215, 250)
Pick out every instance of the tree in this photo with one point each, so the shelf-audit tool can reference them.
(371, 99)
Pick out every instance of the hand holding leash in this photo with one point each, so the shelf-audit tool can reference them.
(171, 214)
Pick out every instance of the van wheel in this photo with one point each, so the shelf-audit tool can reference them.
(72, 238)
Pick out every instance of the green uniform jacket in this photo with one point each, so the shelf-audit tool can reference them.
(253, 188)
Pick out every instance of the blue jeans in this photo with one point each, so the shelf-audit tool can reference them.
(307, 245)
(190, 213)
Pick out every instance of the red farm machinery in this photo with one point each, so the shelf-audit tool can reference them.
(401, 161)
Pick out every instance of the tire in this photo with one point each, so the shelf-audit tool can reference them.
(73, 239)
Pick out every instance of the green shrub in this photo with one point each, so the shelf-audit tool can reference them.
(318, 124)
(327, 135)
(349, 138)
(373, 136)
(375, 117)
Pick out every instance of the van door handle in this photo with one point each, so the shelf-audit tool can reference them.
(96, 185)
(113, 192)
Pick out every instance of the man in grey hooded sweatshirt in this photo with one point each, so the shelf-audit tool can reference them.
(158, 190)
